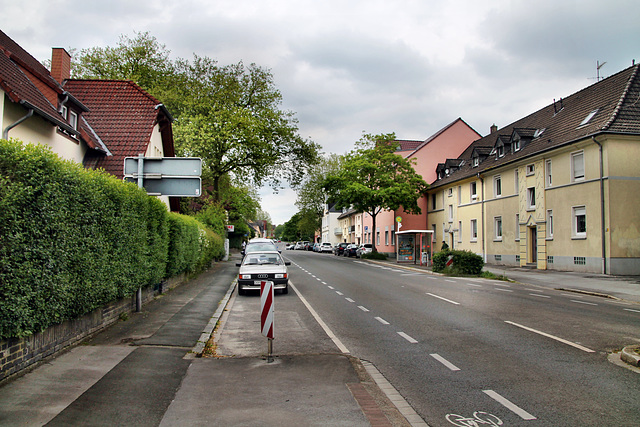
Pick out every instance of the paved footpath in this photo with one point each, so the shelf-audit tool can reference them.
(143, 371)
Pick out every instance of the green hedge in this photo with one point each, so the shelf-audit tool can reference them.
(464, 263)
(72, 240)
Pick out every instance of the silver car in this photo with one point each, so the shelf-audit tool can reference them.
(257, 267)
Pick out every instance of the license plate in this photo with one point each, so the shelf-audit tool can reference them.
(257, 282)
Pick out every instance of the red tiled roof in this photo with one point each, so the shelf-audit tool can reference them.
(121, 113)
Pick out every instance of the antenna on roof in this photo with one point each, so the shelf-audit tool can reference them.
(598, 66)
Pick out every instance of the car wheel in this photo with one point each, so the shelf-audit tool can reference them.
(286, 289)
(240, 290)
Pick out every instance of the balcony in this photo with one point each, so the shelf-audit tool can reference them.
(337, 231)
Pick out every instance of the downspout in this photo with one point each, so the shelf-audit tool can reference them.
(484, 252)
(603, 226)
(5, 132)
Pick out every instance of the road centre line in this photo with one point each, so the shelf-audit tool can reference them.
(584, 302)
(381, 320)
(509, 405)
(541, 296)
(339, 293)
(553, 337)
(443, 299)
(445, 362)
(629, 309)
(330, 287)
(407, 337)
(349, 299)
(503, 290)
(365, 309)
(323, 325)
(502, 284)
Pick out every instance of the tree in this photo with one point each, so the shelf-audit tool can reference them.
(374, 178)
(311, 196)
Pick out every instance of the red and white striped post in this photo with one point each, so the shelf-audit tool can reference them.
(266, 315)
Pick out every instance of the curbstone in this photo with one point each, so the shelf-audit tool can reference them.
(630, 356)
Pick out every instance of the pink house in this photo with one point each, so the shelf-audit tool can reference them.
(449, 142)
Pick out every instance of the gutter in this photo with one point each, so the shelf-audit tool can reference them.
(602, 223)
(484, 252)
(5, 132)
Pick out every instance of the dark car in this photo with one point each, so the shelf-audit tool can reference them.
(350, 250)
(339, 249)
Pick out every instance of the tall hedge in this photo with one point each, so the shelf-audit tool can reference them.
(72, 240)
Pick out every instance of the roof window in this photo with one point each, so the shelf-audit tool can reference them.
(588, 118)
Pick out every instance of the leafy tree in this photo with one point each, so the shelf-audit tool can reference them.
(374, 178)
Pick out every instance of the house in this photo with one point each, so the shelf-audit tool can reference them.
(331, 230)
(35, 108)
(450, 141)
(553, 190)
(94, 122)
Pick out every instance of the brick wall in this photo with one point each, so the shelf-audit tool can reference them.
(19, 354)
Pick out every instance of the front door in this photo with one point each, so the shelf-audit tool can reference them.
(533, 245)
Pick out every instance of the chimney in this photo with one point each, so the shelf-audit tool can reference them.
(60, 64)
(494, 128)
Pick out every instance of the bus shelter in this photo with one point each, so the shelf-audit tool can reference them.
(414, 246)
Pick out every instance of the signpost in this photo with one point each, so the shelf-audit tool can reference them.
(266, 315)
(164, 176)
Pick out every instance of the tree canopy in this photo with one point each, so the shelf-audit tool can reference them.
(374, 178)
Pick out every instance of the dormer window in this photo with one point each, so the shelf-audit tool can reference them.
(73, 120)
(475, 161)
(516, 145)
(500, 151)
(588, 118)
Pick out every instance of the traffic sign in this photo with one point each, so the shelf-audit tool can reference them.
(266, 312)
(166, 166)
(170, 186)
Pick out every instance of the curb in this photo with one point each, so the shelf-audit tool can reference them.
(198, 349)
(630, 356)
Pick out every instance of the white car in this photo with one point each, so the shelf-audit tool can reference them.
(364, 249)
(326, 247)
(263, 266)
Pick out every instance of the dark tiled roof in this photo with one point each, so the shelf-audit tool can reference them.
(615, 101)
(407, 145)
(122, 114)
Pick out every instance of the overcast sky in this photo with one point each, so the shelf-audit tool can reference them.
(348, 66)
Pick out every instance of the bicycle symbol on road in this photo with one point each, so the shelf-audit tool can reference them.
(478, 419)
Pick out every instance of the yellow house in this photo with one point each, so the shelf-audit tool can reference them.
(554, 190)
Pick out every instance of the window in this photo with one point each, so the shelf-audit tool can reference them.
(450, 192)
(549, 223)
(579, 220)
(73, 119)
(531, 198)
(459, 231)
(475, 161)
(516, 145)
(474, 230)
(64, 112)
(577, 166)
(517, 180)
(548, 180)
(433, 227)
(450, 213)
(497, 226)
(433, 202)
(377, 238)
(517, 227)
(386, 237)
(459, 195)
(500, 151)
(531, 169)
(473, 190)
(588, 118)
(497, 186)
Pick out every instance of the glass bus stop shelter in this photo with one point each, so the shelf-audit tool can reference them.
(414, 247)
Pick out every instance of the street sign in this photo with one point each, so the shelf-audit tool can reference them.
(169, 166)
(165, 176)
(266, 304)
(170, 186)
(231, 228)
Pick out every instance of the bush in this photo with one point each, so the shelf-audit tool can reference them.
(72, 240)
(464, 263)
(374, 255)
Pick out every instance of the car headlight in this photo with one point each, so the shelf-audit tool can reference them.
(281, 276)
(245, 276)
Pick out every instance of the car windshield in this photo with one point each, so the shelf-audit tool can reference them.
(259, 247)
(262, 259)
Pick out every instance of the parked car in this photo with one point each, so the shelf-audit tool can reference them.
(365, 248)
(316, 247)
(350, 250)
(290, 246)
(259, 245)
(261, 266)
(325, 247)
(339, 249)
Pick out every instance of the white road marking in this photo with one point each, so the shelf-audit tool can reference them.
(349, 299)
(445, 362)
(443, 299)
(330, 287)
(541, 296)
(407, 337)
(583, 302)
(629, 309)
(509, 405)
(553, 337)
(450, 281)
(381, 320)
(473, 284)
(502, 284)
(365, 309)
(339, 293)
(323, 325)
(572, 295)
(324, 283)
(503, 290)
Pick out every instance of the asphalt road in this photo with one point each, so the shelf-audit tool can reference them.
(476, 350)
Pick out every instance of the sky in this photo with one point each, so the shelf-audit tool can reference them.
(351, 66)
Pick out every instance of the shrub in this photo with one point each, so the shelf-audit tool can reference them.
(464, 263)
(374, 255)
